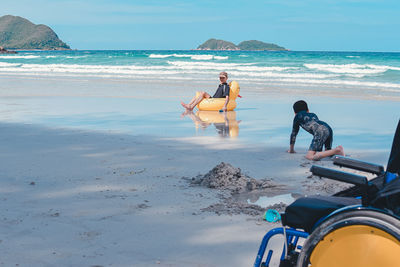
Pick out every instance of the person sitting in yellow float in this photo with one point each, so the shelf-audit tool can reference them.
(222, 92)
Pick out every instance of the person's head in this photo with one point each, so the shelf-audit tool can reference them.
(300, 105)
(223, 76)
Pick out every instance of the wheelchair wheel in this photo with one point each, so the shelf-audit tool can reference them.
(357, 238)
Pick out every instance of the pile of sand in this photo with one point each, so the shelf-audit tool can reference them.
(226, 177)
(233, 182)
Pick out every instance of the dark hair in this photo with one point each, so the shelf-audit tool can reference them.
(300, 105)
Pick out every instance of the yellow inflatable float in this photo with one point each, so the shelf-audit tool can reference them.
(215, 104)
(226, 122)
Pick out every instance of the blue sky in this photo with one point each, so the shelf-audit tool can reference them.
(316, 25)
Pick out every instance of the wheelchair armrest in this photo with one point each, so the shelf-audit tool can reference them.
(339, 176)
(358, 165)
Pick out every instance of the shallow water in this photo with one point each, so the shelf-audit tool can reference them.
(357, 124)
(109, 91)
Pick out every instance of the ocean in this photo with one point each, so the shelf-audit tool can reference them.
(138, 92)
(375, 74)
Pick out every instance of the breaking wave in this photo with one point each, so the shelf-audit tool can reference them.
(194, 57)
(351, 68)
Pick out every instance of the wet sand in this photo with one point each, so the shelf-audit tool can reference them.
(93, 178)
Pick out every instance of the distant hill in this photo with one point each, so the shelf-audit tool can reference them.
(252, 45)
(259, 46)
(214, 44)
(19, 33)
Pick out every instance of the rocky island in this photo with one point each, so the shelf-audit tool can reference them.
(19, 33)
(252, 45)
(5, 51)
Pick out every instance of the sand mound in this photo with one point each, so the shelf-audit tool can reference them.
(226, 177)
(234, 183)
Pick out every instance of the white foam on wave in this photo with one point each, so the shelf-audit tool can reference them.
(227, 66)
(380, 86)
(211, 65)
(19, 57)
(201, 68)
(74, 57)
(221, 57)
(175, 69)
(271, 74)
(5, 64)
(75, 68)
(351, 68)
(159, 56)
(374, 85)
(182, 66)
(194, 57)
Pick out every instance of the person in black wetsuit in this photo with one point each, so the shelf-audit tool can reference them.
(222, 92)
(323, 135)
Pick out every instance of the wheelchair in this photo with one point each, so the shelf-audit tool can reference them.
(359, 226)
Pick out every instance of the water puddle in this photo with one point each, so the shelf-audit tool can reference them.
(265, 201)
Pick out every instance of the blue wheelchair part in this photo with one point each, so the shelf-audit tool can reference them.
(292, 238)
(390, 177)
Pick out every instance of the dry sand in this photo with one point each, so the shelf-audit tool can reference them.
(76, 198)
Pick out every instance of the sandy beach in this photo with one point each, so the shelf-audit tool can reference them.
(76, 198)
(93, 178)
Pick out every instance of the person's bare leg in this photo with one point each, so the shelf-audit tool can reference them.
(192, 104)
(312, 155)
(195, 100)
(186, 106)
(198, 94)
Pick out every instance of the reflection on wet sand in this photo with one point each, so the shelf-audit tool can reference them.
(225, 122)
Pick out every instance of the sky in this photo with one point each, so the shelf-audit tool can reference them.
(300, 25)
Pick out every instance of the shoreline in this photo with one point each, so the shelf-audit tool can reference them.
(161, 87)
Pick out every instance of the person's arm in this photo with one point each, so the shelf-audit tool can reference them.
(226, 94)
(295, 130)
(226, 103)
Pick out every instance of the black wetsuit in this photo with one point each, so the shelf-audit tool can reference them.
(394, 158)
(321, 131)
(222, 91)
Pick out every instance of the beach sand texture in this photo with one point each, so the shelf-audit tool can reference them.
(105, 172)
(76, 198)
